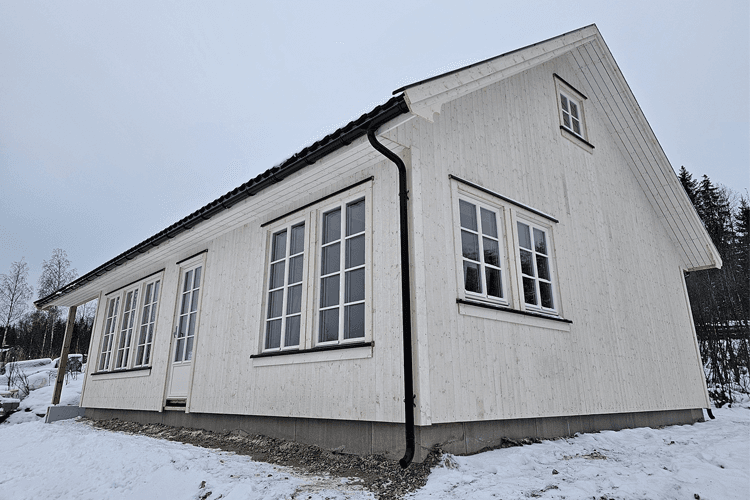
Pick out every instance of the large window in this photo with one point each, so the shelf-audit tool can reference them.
(123, 332)
(321, 252)
(504, 252)
(481, 250)
(342, 274)
(286, 270)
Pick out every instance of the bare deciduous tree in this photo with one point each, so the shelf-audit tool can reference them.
(14, 292)
(56, 273)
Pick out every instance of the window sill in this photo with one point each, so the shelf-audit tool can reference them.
(498, 313)
(144, 371)
(340, 352)
(577, 140)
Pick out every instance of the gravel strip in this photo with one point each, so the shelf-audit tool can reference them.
(378, 474)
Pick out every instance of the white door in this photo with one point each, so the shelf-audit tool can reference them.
(185, 329)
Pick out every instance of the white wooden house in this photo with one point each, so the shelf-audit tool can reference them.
(547, 240)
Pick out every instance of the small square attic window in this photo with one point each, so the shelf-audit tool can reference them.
(571, 114)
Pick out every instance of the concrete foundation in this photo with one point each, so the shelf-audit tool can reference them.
(55, 413)
(382, 438)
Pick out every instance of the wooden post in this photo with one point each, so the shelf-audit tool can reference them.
(63, 364)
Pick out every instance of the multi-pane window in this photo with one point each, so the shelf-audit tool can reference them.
(110, 327)
(481, 250)
(533, 249)
(571, 114)
(285, 287)
(126, 328)
(148, 322)
(504, 252)
(123, 332)
(316, 275)
(186, 323)
(342, 274)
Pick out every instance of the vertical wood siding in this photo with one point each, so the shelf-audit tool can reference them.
(630, 347)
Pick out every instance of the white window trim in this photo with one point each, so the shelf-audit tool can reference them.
(482, 201)
(561, 88)
(309, 323)
(121, 294)
(287, 223)
(512, 276)
(535, 222)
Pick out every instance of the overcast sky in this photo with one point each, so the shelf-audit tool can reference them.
(119, 118)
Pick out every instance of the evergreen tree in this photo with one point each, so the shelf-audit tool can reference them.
(689, 184)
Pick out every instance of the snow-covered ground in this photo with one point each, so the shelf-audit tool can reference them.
(71, 459)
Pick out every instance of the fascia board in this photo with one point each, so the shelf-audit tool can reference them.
(428, 98)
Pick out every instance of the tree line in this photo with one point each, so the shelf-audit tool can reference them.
(30, 334)
(720, 298)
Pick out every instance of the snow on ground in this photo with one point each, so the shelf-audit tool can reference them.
(709, 459)
(41, 374)
(70, 459)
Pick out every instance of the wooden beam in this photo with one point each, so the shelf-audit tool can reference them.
(63, 364)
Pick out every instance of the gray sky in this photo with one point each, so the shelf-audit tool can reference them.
(119, 118)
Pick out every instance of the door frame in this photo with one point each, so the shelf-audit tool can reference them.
(194, 260)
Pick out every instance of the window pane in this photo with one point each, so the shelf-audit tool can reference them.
(197, 282)
(355, 217)
(178, 349)
(139, 356)
(297, 245)
(331, 259)
(329, 325)
(524, 238)
(470, 245)
(566, 120)
(471, 277)
(279, 246)
(191, 326)
(529, 291)
(355, 286)
(291, 336)
(274, 303)
(277, 275)
(294, 299)
(564, 101)
(188, 348)
(468, 215)
(332, 226)
(295, 269)
(545, 290)
(329, 291)
(576, 126)
(147, 357)
(185, 303)
(540, 242)
(273, 334)
(188, 281)
(573, 109)
(147, 295)
(354, 321)
(355, 251)
(494, 288)
(542, 267)
(491, 252)
(182, 330)
(527, 266)
(489, 223)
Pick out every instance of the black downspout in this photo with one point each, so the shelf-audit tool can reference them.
(409, 397)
